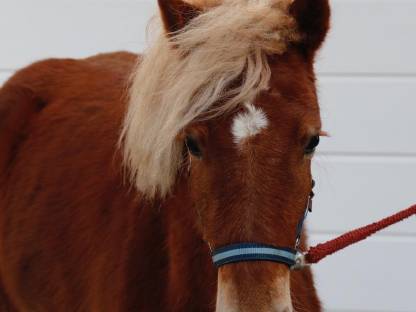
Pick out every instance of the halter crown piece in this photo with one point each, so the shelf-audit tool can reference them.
(293, 257)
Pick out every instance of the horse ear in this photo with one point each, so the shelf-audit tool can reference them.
(312, 17)
(176, 14)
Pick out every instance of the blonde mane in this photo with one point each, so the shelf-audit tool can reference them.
(184, 76)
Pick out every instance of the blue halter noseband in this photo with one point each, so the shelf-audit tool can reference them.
(253, 252)
(243, 252)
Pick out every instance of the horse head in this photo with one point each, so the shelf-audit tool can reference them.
(225, 100)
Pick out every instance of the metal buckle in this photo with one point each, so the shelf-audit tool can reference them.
(300, 262)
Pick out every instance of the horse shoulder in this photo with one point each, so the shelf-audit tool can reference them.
(60, 170)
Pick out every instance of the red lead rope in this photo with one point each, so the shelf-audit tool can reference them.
(320, 251)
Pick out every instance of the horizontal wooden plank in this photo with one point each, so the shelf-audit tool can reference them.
(368, 115)
(354, 191)
(366, 37)
(36, 30)
(377, 275)
(370, 37)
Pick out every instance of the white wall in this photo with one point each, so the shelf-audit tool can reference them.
(365, 171)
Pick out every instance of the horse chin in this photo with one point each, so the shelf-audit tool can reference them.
(233, 296)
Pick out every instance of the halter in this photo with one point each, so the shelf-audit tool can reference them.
(293, 257)
(244, 252)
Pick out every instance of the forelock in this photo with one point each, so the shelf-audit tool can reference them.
(183, 77)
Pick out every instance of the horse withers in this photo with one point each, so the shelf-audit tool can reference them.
(120, 174)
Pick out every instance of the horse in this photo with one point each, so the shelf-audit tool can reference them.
(120, 174)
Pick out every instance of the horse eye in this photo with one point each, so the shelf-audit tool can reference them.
(313, 143)
(193, 147)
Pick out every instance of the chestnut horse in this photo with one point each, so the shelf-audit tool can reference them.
(119, 172)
